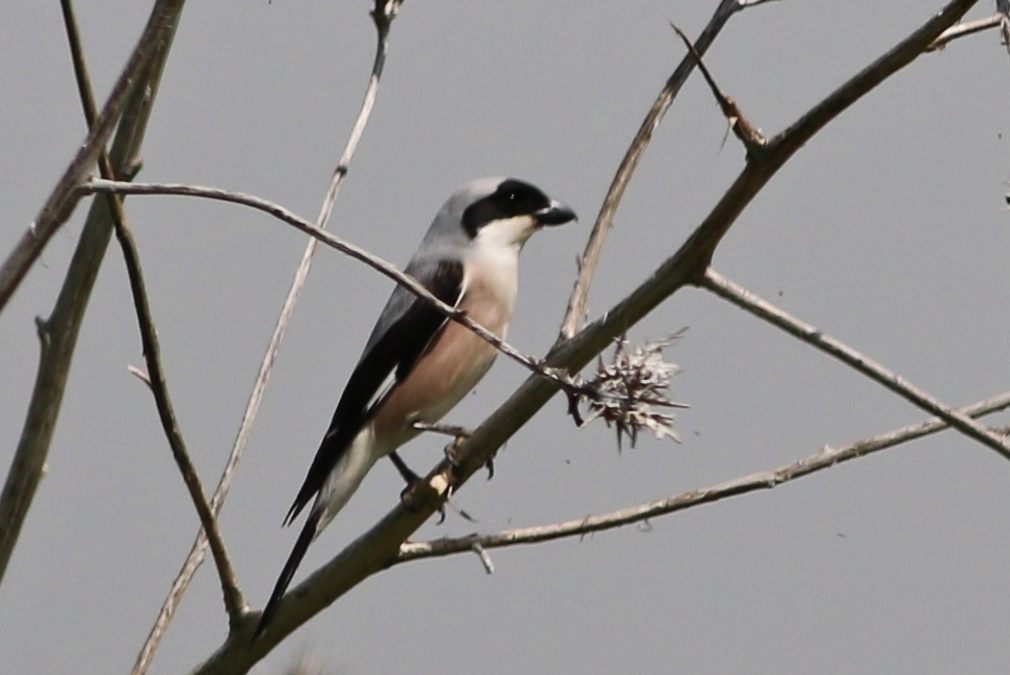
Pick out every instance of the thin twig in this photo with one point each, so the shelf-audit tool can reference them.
(232, 596)
(749, 135)
(605, 219)
(233, 600)
(58, 334)
(763, 480)
(140, 375)
(965, 29)
(485, 557)
(745, 299)
(61, 202)
(383, 15)
(149, 335)
(384, 267)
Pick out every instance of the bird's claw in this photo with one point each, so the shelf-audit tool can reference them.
(452, 449)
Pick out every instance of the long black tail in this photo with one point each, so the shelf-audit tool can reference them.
(297, 553)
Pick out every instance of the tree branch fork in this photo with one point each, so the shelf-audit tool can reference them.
(689, 266)
(387, 544)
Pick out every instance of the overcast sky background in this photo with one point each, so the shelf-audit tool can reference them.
(887, 231)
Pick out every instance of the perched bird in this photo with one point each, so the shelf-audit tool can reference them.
(417, 365)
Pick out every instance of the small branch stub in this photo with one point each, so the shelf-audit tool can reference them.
(752, 138)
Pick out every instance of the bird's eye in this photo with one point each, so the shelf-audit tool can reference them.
(512, 196)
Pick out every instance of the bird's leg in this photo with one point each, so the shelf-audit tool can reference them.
(408, 474)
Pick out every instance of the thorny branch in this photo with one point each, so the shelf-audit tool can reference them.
(749, 135)
(605, 219)
(379, 547)
(826, 458)
(1003, 8)
(750, 302)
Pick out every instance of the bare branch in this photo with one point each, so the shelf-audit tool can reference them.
(793, 138)
(233, 600)
(745, 299)
(384, 267)
(605, 219)
(749, 135)
(58, 334)
(383, 14)
(152, 350)
(61, 202)
(763, 480)
(379, 547)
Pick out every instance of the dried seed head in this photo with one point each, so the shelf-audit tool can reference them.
(631, 390)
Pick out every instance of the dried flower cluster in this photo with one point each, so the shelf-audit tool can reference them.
(630, 392)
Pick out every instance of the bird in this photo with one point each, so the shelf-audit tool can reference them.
(416, 364)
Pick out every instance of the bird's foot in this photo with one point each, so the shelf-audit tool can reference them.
(451, 456)
(452, 449)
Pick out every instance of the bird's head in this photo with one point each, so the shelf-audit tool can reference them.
(499, 212)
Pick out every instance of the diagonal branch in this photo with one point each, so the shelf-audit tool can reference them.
(233, 600)
(58, 334)
(745, 299)
(605, 219)
(383, 14)
(153, 43)
(762, 480)
(378, 548)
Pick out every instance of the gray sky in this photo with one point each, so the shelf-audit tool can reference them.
(888, 231)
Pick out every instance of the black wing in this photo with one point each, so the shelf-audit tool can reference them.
(401, 335)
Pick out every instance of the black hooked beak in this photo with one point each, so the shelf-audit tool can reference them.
(555, 213)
